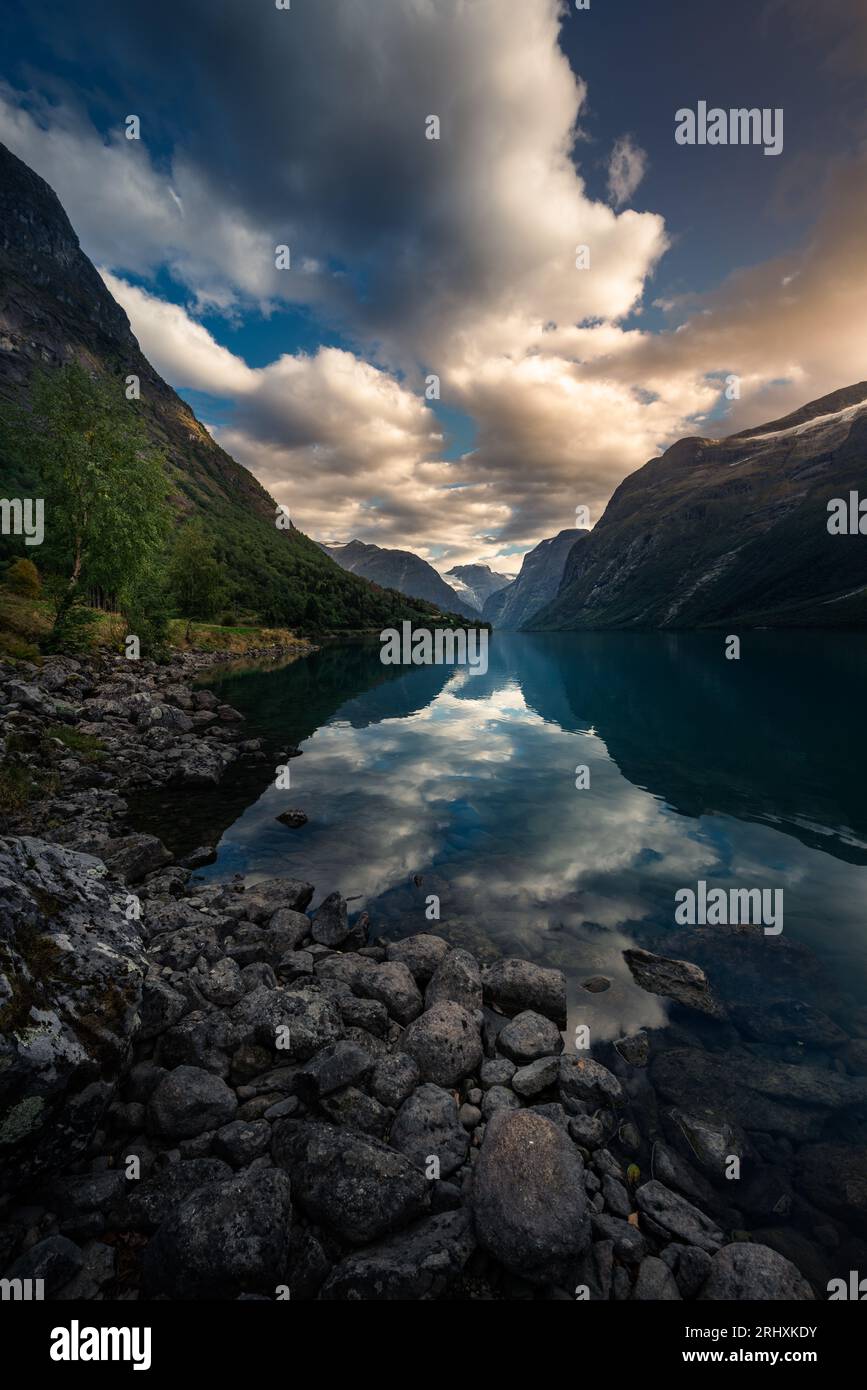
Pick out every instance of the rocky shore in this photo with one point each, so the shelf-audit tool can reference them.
(210, 1092)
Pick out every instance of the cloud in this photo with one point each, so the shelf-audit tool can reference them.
(455, 256)
(626, 168)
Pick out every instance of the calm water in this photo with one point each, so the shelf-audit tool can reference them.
(745, 774)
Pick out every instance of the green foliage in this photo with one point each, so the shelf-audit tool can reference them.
(23, 578)
(146, 608)
(194, 577)
(103, 483)
(73, 632)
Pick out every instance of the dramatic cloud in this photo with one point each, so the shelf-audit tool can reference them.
(456, 256)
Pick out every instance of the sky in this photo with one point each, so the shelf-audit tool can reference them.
(411, 258)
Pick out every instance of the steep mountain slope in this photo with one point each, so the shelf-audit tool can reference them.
(476, 583)
(401, 570)
(536, 583)
(719, 532)
(55, 308)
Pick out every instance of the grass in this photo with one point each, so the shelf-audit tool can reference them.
(87, 746)
(25, 621)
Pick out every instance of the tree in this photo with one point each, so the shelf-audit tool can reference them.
(195, 581)
(104, 485)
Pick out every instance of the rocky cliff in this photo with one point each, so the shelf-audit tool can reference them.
(723, 531)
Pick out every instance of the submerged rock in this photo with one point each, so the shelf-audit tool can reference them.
(419, 1264)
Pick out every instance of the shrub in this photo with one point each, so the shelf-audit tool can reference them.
(23, 578)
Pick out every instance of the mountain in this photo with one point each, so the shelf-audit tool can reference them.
(720, 532)
(476, 583)
(536, 583)
(54, 308)
(401, 570)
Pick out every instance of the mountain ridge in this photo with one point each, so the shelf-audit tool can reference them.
(55, 309)
(715, 532)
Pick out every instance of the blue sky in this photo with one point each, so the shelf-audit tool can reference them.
(456, 257)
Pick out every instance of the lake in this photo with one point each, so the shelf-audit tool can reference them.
(432, 780)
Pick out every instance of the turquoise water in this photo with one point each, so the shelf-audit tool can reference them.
(744, 774)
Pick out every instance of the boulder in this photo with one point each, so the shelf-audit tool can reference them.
(229, 1238)
(71, 975)
(529, 1201)
(457, 977)
(516, 985)
(528, 1037)
(743, 1272)
(672, 1217)
(679, 980)
(421, 954)
(356, 1185)
(189, 1101)
(445, 1043)
(419, 1264)
(427, 1126)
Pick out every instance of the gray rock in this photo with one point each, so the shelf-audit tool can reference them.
(635, 1049)
(537, 1076)
(342, 1063)
(355, 1109)
(161, 1007)
(517, 985)
(445, 1043)
(671, 1215)
(679, 980)
(529, 1201)
(616, 1197)
(689, 1265)
(311, 1019)
(393, 985)
(588, 1130)
(419, 1264)
(457, 977)
(499, 1098)
(292, 818)
(394, 1078)
(146, 1203)
(131, 857)
(229, 1238)
(834, 1176)
(266, 897)
(357, 1186)
(421, 954)
(582, 1079)
(54, 1260)
(287, 929)
(744, 1272)
(189, 1101)
(470, 1116)
(655, 1281)
(242, 1141)
(71, 974)
(427, 1126)
(497, 1071)
(330, 925)
(529, 1036)
(629, 1243)
(223, 984)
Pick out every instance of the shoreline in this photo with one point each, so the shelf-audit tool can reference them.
(389, 1118)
